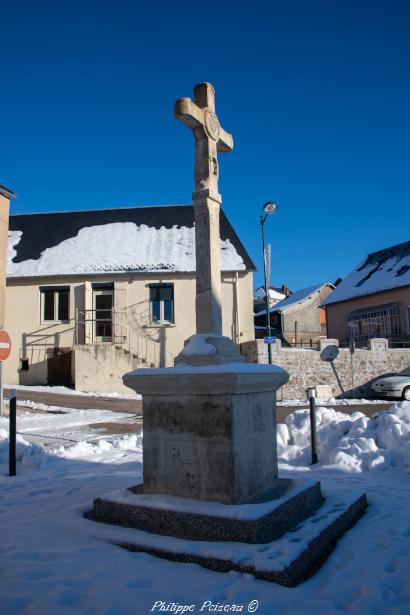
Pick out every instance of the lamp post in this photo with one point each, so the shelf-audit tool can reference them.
(268, 208)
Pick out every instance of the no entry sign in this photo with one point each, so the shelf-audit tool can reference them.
(5, 345)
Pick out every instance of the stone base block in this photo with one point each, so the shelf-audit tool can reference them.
(289, 560)
(198, 520)
(209, 431)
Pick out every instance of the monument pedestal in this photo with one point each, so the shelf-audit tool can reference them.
(211, 492)
(210, 431)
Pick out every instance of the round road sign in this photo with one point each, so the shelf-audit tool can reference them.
(5, 345)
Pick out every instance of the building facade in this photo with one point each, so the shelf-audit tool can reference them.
(298, 319)
(374, 299)
(91, 295)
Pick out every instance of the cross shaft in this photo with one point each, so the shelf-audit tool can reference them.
(210, 138)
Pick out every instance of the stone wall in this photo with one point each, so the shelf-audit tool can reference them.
(306, 367)
(100, 367)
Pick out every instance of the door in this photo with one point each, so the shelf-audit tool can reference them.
(59, 367)
(103, 301)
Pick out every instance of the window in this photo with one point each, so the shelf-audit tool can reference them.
(54, 303)
(378, 321)
(161, 297)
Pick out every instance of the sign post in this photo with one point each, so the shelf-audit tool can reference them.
(268, 260)
(5, 349)
(352, 348)
(311, 392)
(12, 433)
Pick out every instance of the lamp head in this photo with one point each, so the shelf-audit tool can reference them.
(270, 208)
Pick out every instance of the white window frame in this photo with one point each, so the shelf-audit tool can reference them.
(162, 320)
(108, 318)
(55, 290)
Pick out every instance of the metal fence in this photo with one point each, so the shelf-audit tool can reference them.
(313, 344)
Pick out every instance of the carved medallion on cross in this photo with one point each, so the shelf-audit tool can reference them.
(210, 138)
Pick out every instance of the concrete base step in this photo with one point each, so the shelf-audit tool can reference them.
(257, 522)
(289, 560)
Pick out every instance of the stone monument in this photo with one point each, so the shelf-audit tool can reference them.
(201, 416)
(210, 138)
(209, 451)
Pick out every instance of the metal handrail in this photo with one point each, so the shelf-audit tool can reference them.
(121, 335)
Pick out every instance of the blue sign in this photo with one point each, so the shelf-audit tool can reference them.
(269, 339)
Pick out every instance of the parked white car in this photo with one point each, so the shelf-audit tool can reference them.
(394, 386)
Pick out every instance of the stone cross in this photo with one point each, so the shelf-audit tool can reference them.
(210, 138)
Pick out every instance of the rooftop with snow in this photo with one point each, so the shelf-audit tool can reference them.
(140, 239)
(296, 297)
(379, 271)
(259, 293)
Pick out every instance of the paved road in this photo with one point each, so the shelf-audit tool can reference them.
(133, 406)
(367, 409)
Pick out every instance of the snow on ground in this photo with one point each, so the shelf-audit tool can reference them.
(57, 424)
(52, 560)
(353, 442)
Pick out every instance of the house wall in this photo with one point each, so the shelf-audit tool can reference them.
(157, 344)
(337, 313)
(100, 367)
(307, 315)
(4, 226)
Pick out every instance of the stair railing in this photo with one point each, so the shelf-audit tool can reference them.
(116, 332)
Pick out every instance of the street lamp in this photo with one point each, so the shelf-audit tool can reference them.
(268, 208)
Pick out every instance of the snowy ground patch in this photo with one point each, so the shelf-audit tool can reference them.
(53, 560)
(355, 442)
(56, 425)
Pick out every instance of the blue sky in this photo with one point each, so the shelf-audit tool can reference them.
(316, 95)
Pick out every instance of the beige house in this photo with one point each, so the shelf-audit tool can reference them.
(93, 294)
(374, 299)
(298, 320)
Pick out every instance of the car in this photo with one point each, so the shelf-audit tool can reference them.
(397, 386)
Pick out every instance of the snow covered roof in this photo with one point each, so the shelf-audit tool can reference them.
(259, 293)
(146, 239)
(296, 297)
(379, 271)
